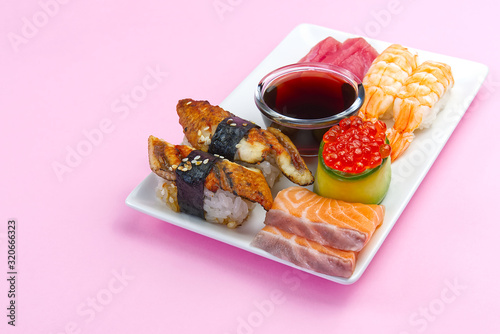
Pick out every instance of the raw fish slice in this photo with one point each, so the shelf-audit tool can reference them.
(321, 50)
(355, 55)
(348, 49)
(360, 62)
(305, 253)
(333, 223)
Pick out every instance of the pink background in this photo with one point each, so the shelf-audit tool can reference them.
(87, 263)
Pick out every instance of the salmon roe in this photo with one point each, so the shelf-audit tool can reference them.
(354, 145)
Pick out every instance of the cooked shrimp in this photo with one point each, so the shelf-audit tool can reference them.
(413, 106)
(383, 80)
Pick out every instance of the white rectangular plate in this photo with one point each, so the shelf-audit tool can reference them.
(408, 171)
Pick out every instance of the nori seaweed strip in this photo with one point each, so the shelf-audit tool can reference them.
(190, 182)
(228, 134)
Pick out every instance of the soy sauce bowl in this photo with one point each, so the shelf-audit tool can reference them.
(304, 100)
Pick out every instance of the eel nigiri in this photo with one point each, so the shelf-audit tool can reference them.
(195, 182)
(330, 222)
(212, 129)
(415, 103)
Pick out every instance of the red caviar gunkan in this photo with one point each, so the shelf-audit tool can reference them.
(354, 162)
(353, 145)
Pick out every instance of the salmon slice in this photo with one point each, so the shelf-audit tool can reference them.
(305, 253)
(330, 222)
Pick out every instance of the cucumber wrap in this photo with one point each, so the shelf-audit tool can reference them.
(368, 187)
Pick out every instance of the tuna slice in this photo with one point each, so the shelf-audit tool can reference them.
(355, 54)
(321, 50)
(305, 253)
(332, 223)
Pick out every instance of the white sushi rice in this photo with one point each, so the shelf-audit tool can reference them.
(166, 191)
(429, 115)
(268, 168)
(203, 138)
(185, 141)
(432, 113)
(221, 207)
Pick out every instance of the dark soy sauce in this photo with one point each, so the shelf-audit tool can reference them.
(310, 95)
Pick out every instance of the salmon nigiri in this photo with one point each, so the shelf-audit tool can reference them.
(342, 225)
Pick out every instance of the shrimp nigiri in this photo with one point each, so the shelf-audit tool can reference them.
(383, 80)
(413, 106)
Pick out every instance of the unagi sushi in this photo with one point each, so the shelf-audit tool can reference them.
(212, 129)
(305, 253)
(203, 185)
(330, 222)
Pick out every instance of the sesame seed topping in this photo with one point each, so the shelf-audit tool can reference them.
(238, 145)
(185, 159)
(206, 128)
(245, 124)
(205, 161)
(232, 124)
(188, 103)
(197, 157)
(171, 199)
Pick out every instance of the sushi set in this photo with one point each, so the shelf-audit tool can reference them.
(320, 188)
